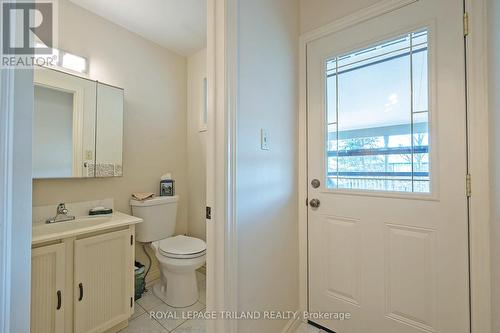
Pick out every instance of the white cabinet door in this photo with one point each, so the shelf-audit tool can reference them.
(103, 281)
(48, 271)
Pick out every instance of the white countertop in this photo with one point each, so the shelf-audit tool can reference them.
(43, 232)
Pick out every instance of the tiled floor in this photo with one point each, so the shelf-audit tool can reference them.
(142, 322)
(305, 328)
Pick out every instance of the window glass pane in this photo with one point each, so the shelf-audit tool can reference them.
(420, 81)
(331, 98)
(332, 156)
(421, 163)
(377, 115)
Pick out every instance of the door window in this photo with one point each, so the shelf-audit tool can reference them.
(377, 102)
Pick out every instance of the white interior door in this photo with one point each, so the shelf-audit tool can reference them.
(388, 238)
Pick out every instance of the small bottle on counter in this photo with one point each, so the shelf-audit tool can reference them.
(167, 186)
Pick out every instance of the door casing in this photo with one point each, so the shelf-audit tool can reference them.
(221, 161)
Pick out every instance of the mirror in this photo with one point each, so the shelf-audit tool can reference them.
(109, 131)
(78, 127)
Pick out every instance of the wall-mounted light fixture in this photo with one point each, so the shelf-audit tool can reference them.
(68, 61)
(73, 62)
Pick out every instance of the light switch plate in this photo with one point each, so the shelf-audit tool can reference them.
(264, 139)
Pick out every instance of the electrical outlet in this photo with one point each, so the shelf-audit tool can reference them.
(264, 139)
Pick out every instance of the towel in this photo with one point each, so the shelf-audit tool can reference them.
(141, 196)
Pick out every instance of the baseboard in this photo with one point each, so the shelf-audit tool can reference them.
(292, 325)
(118, 327)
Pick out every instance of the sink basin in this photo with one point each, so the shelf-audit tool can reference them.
(43, 232)
(69, 225)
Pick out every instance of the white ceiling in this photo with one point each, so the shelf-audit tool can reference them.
(178, 25)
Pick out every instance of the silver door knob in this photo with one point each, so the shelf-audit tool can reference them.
(314, 203)
(315, 183)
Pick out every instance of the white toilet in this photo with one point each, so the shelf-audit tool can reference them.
(178, 256)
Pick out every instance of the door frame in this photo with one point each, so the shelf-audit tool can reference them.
(221, 162)
(16, 113)
(478, 149)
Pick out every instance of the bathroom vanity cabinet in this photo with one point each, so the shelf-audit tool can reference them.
(48, 282)
(83, 283)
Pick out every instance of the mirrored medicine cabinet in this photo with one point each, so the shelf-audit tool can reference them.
(77, 127)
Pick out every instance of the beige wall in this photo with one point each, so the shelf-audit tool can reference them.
(266, 195)
(316, 13)
(196, 145)
(494, 86)
(155, 119)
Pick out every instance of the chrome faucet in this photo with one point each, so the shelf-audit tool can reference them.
(61, 215)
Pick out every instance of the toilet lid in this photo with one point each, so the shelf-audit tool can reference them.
(182, 245)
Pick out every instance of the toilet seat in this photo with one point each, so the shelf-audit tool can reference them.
(182, 247)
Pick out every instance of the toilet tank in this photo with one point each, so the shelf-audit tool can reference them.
(159, 218)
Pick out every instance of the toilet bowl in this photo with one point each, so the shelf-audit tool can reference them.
(179, 257)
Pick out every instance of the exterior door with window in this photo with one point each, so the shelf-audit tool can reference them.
(387, 218)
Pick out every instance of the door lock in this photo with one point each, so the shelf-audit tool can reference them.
(314, 203)
(315, 183)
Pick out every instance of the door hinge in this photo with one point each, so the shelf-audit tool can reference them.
(131, 301)
(466, 24)
(208, 213)
(131, 239)
(469, 185)
(307, 202)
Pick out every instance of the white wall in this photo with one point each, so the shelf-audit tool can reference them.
(266, 197)
(316, 13)
(196, 145)
(155, 122)
(494, 87)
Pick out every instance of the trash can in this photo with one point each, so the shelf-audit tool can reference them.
(140, 284)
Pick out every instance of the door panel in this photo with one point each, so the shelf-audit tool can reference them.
(103, 281)
(387, 141)
(48, 269)
(410, 275)
(343, 277)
